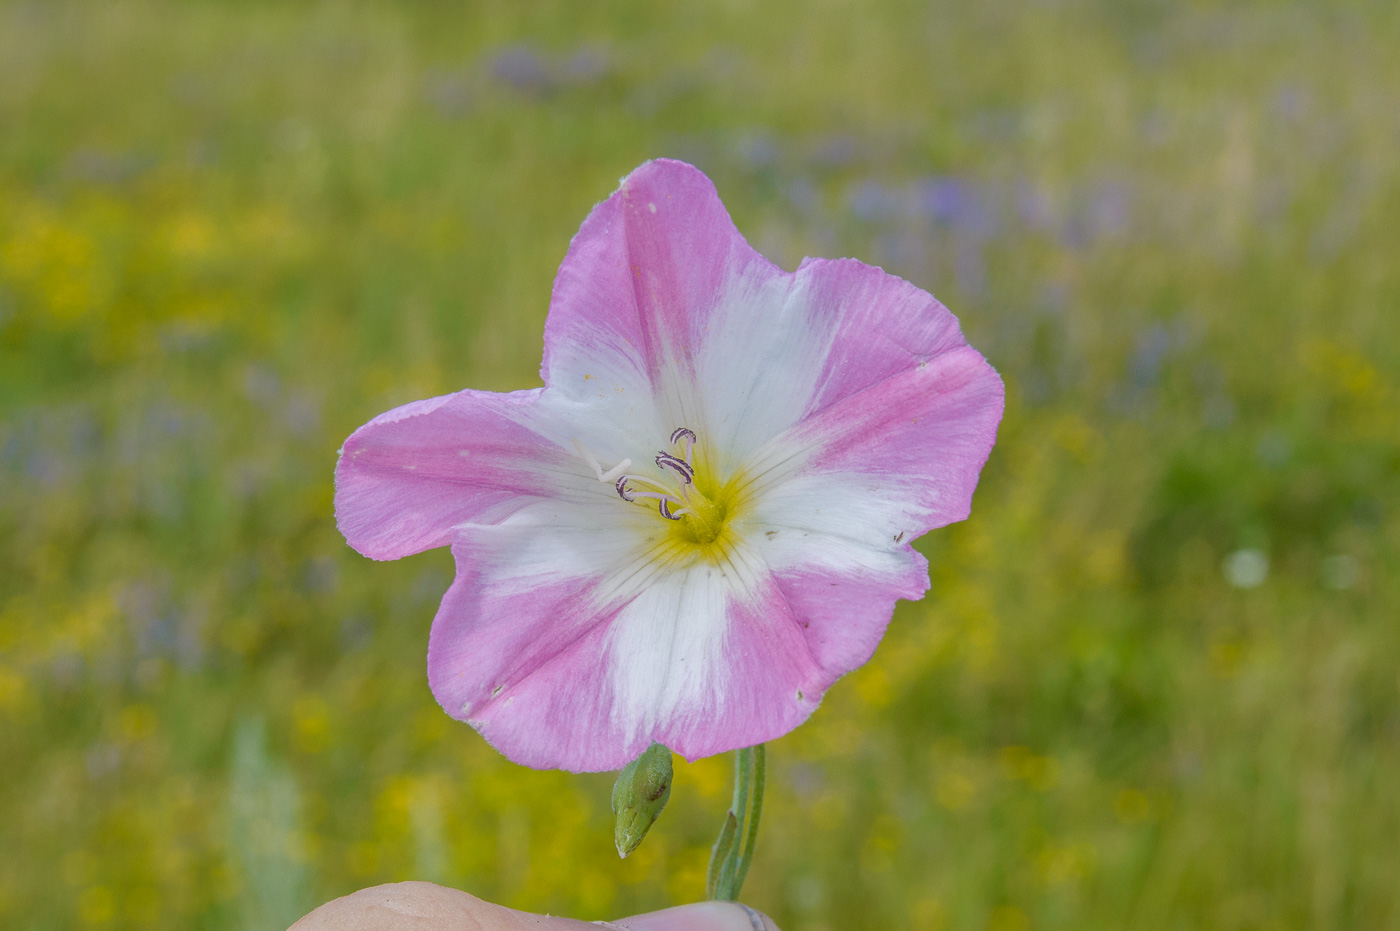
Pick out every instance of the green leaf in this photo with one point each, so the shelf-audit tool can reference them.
(719, 858)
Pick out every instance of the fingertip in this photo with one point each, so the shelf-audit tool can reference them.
(421, 906)
(701, 916)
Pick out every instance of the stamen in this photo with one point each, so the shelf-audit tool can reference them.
(688, 435)
(639, 495)
(677, 497)
(643, 480)
(679, 466)
(665, 497)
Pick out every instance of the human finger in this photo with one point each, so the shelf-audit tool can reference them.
(420, 906)
(702, 916)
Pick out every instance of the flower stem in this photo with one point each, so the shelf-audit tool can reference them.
(733, 852)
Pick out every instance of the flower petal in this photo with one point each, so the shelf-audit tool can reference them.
(843, 592)
(777, 353)
(639, 283)
(409, 475)
(524, 607)
(573, 645)
(876, 324)
(661, 295)
(731, 669)
(888, 463)
(839, 498)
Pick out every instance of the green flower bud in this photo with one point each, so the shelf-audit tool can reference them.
(641, 792)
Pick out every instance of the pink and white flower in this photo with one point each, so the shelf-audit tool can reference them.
(704, 518)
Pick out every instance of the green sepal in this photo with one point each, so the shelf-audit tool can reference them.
(639, 795)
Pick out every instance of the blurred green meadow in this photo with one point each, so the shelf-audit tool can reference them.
(1156, 684)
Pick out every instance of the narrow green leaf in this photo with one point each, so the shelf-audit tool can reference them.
(758, 774)
(719, 856)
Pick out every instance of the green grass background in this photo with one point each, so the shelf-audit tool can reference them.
(232, 232)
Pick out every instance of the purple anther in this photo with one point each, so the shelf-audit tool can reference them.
(665, 509)
(676, 465)
(622, 489)
(679, 432)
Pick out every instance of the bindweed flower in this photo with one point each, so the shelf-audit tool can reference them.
(704, 518)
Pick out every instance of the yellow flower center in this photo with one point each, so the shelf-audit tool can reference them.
(702, 518)
(682, 491)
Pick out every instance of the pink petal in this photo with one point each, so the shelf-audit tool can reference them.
(660, 294)
(409, 475)
(734, 671)
(844, 614)
(839, 497)
(561, 658)
(640, 280)
(877, 325)
(863, 479)
(493, 645)
(920, 437)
